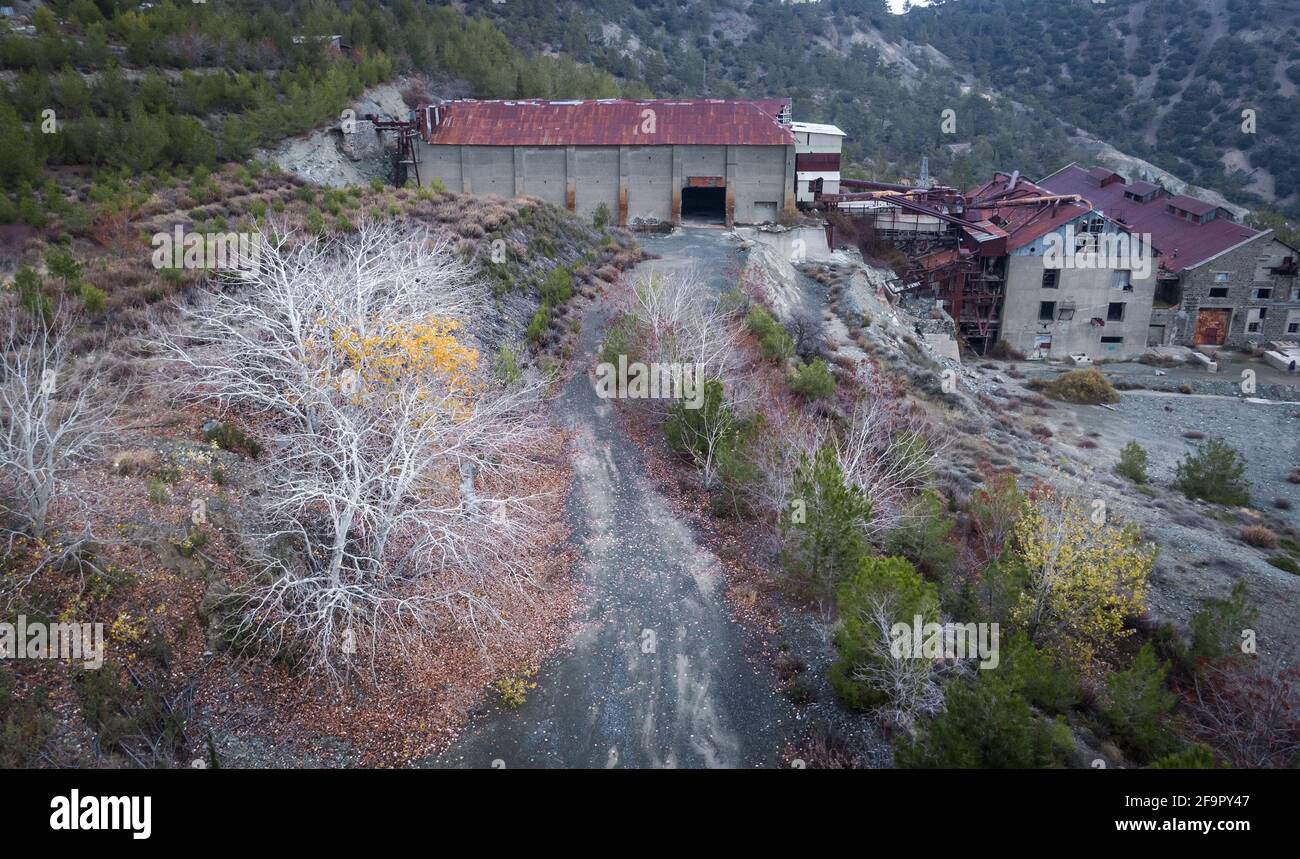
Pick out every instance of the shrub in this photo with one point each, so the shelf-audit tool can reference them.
(24, 724)
(1087, 386)
(124, 713)
(1259, 536)
(1196, 757)
(993, 510)
(1216, 625)
(824, 528)
(537, 327)
(32, 295)
(601, 216)
(889, 582)
(1004, 351)
(1213, 472)
(1133, 463)
(558, 286)
(923, 537)
(1286, 564)
(772, 338)
(61, 264)
(1137, 703)
(986, 724)
(812, 381)
(158, 491)
(711, 436)
(620, 339)
(227, 436)
(514, 690)
(1079, 579)
(93, 299)
(506, 366)
(1047, 683)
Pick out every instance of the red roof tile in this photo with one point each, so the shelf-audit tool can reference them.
(611, 122)
(1182, 243)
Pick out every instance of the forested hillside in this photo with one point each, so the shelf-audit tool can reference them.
(187, 85)
(830, 57)
(1164, 80)
(1167, 80)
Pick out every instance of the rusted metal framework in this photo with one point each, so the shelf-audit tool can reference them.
(968, 270)
(406, 157)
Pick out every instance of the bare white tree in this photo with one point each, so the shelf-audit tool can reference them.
(907, 679)
(55, 415)
(392, 503)
(284, 318)
(890, 452)
(682, 321)
(778, 451)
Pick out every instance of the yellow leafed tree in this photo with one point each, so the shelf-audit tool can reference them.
(1081, 577)
(427, 348)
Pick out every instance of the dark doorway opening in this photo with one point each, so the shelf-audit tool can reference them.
(705, 204)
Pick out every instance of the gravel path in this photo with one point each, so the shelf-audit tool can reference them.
(658, 675)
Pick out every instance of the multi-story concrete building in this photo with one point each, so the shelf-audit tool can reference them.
(1072, 281)
(1219, 283)
(644, 162)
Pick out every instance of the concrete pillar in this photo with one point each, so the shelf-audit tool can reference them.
(788, 201)
(570, 179)
(518, 170)
(731, 185)
(465, 184)
(678, 181)
(623, 172)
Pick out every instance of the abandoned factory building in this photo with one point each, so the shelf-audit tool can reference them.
(1100, 309)
(1219, 282)
(641, 162)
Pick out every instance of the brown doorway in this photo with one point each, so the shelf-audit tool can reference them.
(1211, 328)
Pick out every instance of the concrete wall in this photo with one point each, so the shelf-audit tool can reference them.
(649, 182)
(595, 179)
(636, 183)
(808, 141)
(1091, 291)
(1238, 273)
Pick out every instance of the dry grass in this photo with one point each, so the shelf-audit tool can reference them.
(1078, 386)
(1259, 536)
(138, 462)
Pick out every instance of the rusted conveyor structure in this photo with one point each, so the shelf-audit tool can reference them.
(406, 158)
(969, 274)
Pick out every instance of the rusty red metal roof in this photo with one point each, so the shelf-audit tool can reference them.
(1192, 204)
(1181, 243)
(610, 122)
(1021, 224)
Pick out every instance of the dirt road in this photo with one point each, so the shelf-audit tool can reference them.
(658, 675)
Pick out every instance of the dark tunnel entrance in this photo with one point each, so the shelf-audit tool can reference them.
(705, 204)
